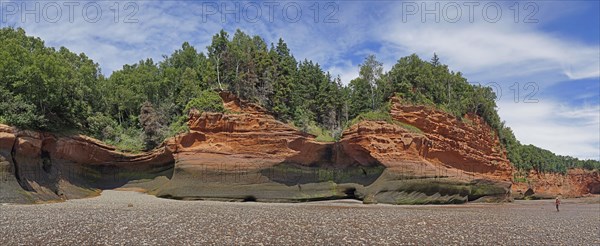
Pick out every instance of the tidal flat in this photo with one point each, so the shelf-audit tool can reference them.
(131, 218)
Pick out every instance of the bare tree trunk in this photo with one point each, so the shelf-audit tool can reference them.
(372, 97)
(449, 96)
(237, 80)
(218, 72)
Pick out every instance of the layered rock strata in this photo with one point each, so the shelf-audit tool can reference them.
(422, 156)
(576, 183)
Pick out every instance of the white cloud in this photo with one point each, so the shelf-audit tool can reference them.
(502, 52)
(159, 30)
(499, 50)
(347, 72)
(563, 129)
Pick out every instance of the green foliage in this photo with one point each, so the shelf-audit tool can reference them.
(528, 157)
(420, 82)
(207, 101)
(179, 126)
(16, 111)
(384, 116)
(359, 97)
(320, 134)
(137, 107)
(371, 90)
(101, 126)
(127, 139)
(520, 180)
(431, 83)
(520, 176)
(373, 116)
(124, 139)
(284, 71)
(409, 127)
(44, 88)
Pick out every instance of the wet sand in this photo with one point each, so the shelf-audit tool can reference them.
(109, 219)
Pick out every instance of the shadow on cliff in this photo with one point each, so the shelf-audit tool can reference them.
(111, 176)
(50, 168)
(324, 162)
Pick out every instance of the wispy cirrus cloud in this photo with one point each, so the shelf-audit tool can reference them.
(553, 125)
(549, 53)
(499, 50)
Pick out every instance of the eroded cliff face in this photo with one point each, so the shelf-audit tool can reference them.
(467, 144)
(576, 183)
(431, 157)
(38, 166)
(248, 155)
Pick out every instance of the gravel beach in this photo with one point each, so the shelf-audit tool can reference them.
(111, 220)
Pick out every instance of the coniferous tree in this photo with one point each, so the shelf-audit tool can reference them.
(435, 60)
(360, 101)
(50, 89)
(284, 81)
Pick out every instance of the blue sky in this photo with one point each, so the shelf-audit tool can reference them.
(553, 44)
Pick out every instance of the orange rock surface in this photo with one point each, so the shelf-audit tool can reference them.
(576, 183)
(445, 143)
(469, 145)
(424, 156)
(50, 167)
(251, 140)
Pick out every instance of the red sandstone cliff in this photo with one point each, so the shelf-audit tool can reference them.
(445, 142)
(576, 183)
(248, 154)
(468, 144)
(252, 141)
(48, 167)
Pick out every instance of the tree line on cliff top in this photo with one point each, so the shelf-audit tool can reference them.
(137, 107)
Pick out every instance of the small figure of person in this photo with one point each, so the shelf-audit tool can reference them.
(557, 202)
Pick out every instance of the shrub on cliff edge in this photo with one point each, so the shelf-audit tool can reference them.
(207, 101)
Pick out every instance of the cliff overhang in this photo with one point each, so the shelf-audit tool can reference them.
(247, 154)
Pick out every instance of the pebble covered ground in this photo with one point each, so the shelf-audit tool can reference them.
(130, 218)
